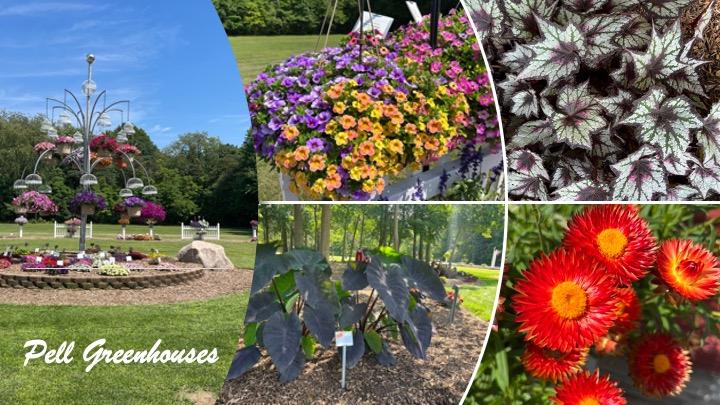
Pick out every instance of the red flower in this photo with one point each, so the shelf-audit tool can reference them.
(5, 263)
(617, 237)
(552, 365)
(565, 301)
(689, 269)
(627, 310)
(589, 389)
(658, 365)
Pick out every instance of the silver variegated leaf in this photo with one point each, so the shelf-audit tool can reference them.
(585, 190)
(525, 104)
(509, 87)
(681, 193)
(625, 75)
(639, 177)
(686, 79)
(527, 162)
(486, 17)
(532, 132)
(517, 58)
(584, 6)
(709, 136)
(660, 60)
(578, 118)
(522, 15)
(566, 16)
(666, 9)
(619, 105)
(569, 171)
(623, 5)
(600, 32)
(664, 122)
(635, 34)
(557, 53)
(526, 186)
(604, 147)
(706, 177)
(677, 164)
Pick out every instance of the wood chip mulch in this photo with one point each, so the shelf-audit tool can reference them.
(213, 284)
(709, 48)
(440, 379)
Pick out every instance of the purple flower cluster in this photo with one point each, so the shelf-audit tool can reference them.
(87, 197)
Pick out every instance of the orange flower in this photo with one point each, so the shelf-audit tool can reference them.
(335, 91)
(564, 301)
(347, 122)
(400, 97)
(368, 172)
(390, 110)
(396, 146)
(689, 269)
(364, 99)
(627, 310)
(290, 132)
(317, 162)
(552, 365)
(302, 153)
(380, 185)
(616, 236)
(589, 389)
(367, 148)
(411, 128)
(365, 124)
(434, 126)
(352, 135)
(659, 366)
(333, 182)
(432, 144)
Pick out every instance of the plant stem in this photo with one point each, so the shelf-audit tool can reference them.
(539, 228)
(277, 293)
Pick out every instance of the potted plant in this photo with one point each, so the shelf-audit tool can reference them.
(134, 206)
(152, 213)
(87, 202)
(34, 202)
(21, 221)
(43, 147)
(103, 145)
(129, 150)
(200, 226)
(72, 225)
(64, 144)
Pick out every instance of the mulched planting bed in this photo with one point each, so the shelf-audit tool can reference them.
(214, 283)
(709, 48)
(440, 379)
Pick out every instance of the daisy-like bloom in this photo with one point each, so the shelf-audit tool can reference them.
(689, 269)
(616, 236)
(589, 389)
(552, 365)
(627, 310)
(659, 366)
(564, 301)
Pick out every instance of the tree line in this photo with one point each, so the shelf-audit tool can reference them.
(196, 175)
(467, 233)
(305, 17)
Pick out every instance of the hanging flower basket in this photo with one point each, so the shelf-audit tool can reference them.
(87, 203)
(21, 210)
(64, 145)
(87, 209)
(134, 206)
(134, 211)
(103, 145)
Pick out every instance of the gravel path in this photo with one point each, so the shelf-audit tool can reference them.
(440, 379)
(213, 284)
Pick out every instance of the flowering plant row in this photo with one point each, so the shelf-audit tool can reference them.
(616, 284)
(340, 123)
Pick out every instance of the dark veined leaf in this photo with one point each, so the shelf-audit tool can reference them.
(354, 279)
(523, 13)
(308, 344)
(391, 287)
(584, 190)
(261, 306)
(557, 53)
(351, 313)
(625, 75)
(709, 136)
(527, 175)
(706, 177)
(267, 264)
(665, 9)
(281, 336)
(424, 278)
(660, 60)
(318, 290)
(486, 17)
(517, 58)
(321, 323)
(243, 361)
(527, 162)
(623, 5)
(677, 165)
(416, 333)
(509, 87)
(619, 105)
(374, 341)
(635, 34)
(292, 371)
(309, 260)
(578, 118)
(533, 132)
(385, 357)
(525, 103)
(639, 177)
(600, 32)
(664, 122)
(681, 193)
(569, 171)
(355, 352)
(604, 147)
(584, 6)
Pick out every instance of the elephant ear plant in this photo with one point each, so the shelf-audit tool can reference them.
(603, 99)
(295, 306)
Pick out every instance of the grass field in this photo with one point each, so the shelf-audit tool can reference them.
(479, 299)
(253, 54)
(235, 241)
(201, 325)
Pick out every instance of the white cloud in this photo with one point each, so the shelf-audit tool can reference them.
(160, 129)
(35, 8)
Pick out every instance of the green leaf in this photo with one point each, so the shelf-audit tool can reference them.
(250, 335)
(309, 346)
(374, 341)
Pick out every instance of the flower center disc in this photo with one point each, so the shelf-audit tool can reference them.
(568, 300)
(611, 242)
(661, 363)
(589, 401)
(690, 269)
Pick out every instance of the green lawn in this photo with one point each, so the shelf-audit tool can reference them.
(253, 54)
(235, 241)
(207, 324)
(479, 299)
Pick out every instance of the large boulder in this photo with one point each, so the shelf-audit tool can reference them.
(208, 254)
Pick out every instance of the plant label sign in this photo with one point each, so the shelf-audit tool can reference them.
(343, 338)
(60, 263)
(81, 255)
(111, 260)
(38, 259)
(372, 21)
(414, 11)
(128, 258)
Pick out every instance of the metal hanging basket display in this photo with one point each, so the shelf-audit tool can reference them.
(33, 179)
(134, 183)
(125, 192)
(20, 185)
(88, 179)
(149, 190)
(44, 189)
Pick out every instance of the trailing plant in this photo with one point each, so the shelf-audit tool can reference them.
(103, 143)
(34, 202)
(602, 100)
(87, 197)
(295, 306)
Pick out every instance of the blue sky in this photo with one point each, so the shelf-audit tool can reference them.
(172, 60)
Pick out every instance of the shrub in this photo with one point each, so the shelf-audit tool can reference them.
(114, 270)
(602, 99)
(295, 305)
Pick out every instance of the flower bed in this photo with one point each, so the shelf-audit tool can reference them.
(342, 126)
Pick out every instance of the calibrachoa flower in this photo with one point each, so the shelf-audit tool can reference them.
(564, 301)
(152, 213)
(43, 146)
(87, 198)
(589, 389)
(617, 237)
(689, 269)
(35, 203)
(659, 366)
(552, 365)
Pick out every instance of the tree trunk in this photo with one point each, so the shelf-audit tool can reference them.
(414, 249)
(362, 232)
(298, 226)
(420, 249)
(381, 228)
(266, 226)
(354, 235)
(428, 248)
(326, 218)
(396, 225)
(316, 228)
(284, 237)
(344, 243)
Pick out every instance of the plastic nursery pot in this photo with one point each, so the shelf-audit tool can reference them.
(21, 210)
(133, 211)
(64, 149)
(87, 209)
(49, 160)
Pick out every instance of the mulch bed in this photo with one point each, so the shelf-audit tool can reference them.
(141, 269)
(709, 48)
(213, 284)
(440, 379)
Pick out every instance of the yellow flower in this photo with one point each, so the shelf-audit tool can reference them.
(400, 97)
(355, 173)
(339, 107)
(341, 138)
(376, 113)
(396, 146)
(319, 186)
(331, 127)
(377, 129)
(368, 186)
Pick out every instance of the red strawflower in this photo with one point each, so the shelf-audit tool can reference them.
(689, 269)
(617, 237)
(589, 389)
(627, 311)
(552, 365)
(658, 365)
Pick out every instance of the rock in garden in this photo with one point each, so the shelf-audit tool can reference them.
(208, 254)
